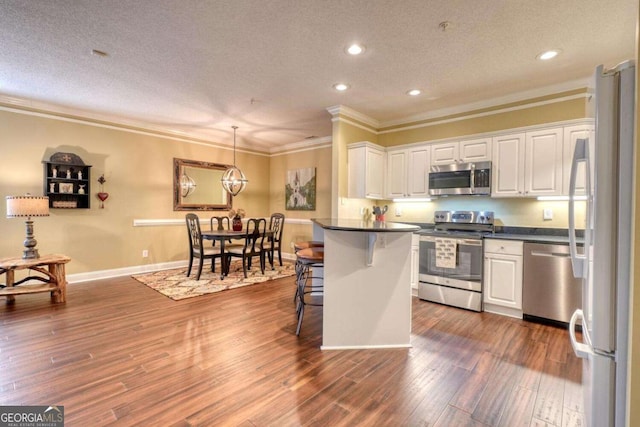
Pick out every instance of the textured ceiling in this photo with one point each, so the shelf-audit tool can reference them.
(200, 67)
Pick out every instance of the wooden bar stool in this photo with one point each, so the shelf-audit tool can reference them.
(309, 291)
(297, 246)
(307, 244)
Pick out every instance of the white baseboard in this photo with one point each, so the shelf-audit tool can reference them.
(139, 269)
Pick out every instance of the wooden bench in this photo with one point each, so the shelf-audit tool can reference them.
(52, 267)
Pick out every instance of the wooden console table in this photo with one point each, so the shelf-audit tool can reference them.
(55, 280)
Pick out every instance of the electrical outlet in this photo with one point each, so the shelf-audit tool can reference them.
(292, 245)
(547, 214)
(398, 211)
(145, 253)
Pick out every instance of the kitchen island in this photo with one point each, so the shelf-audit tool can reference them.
(367, 283)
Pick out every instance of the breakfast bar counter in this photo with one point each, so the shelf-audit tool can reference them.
(367, 283)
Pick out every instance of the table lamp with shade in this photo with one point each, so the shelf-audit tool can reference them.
(28, 206)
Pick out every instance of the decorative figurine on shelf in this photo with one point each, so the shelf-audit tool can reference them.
(79, 174)
(236, 218)
(54, 172)
(102, 195)
(81, 189)
(68, 173)
(52, 187)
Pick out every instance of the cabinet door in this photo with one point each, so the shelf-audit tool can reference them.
(418, 160)
(445, 153)
(543, 163)
(503, 280)
(571, 135)
(356, 166)
(475, 150)
(374, 174)
(397, 174)
(508, 165)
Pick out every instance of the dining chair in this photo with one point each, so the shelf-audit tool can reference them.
(222, 223)
(253, 245)
(196, 249)
(273, 242)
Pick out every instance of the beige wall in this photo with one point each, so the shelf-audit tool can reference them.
(138, 169)
(320, 159)
(345, 132)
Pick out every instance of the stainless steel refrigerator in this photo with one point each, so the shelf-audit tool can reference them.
(605, 265)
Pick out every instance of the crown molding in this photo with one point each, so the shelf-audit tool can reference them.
(306, 145)
(343, 110)
(74, 115)
(494, 102)
(486, 113)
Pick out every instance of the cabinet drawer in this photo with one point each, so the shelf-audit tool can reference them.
(510, 247)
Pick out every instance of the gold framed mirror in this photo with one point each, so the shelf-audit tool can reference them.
(197, 187)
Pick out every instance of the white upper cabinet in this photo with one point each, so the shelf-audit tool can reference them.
(418, 172)
(528, 164)
(366, 171)
(473, 150)
(571, 135)
(397, 173)
(445, 153)
(543, 163)
(407, 172)
(508, 166)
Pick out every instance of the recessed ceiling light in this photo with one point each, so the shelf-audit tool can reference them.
(341, 87)
(414, 92)
(544, 56)
(355, 49)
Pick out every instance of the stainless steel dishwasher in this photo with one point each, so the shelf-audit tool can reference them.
(550, 292)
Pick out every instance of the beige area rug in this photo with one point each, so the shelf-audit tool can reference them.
(176, 285)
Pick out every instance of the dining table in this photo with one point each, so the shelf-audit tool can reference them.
(223, 236)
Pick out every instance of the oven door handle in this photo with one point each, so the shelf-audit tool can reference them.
(469, 242)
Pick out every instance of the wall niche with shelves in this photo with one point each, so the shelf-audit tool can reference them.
(67, 181)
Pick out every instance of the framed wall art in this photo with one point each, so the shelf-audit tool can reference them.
(300, 190)
(66, 187)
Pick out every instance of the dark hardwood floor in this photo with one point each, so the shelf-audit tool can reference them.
(120, 353)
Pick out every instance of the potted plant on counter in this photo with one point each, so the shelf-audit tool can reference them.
(236, 218)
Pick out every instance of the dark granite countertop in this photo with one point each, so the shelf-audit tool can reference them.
(359, 225)
(535, 234)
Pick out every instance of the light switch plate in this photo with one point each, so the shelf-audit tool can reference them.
(547, 214)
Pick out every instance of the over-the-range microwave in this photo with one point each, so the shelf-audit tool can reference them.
(460, 179)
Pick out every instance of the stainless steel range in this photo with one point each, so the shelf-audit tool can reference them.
(451, 258)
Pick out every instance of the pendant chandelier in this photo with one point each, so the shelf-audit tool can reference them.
(233, 180)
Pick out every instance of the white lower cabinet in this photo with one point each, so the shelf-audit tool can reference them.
(502, 292)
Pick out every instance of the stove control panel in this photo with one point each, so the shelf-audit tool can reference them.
(464, 217)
